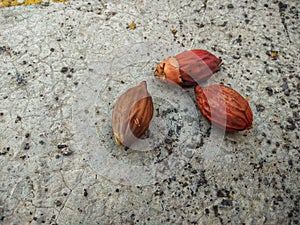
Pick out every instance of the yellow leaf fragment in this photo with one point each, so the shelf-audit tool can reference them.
(132, 26)
(7, 3)
(273, 54)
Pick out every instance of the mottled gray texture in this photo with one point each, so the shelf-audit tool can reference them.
(51, 55)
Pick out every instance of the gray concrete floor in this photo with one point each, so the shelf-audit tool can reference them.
(62, 67)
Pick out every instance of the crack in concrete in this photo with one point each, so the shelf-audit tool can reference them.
(69, 194)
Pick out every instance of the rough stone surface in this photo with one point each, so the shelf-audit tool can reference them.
(63, 65)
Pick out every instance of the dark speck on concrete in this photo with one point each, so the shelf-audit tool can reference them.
(291, 125)
(173, 178)
(282, 6)
(4, 150)
(18, 119)
(20, 79)
(58, 203)
(227, 202)
(230, 6)
(287, 92)
(296, 116)
(194, 171)
(269, 91)
(202, 179)
(237, 56)
(178, 128)
(266, 181)
(26, 146)
(284, 86)
(64, 69)
(222, 193)
(2, 49)
(61, 146)
(290, 120)
(23, 157)
(85, 193)
(170, 133)
(168, 141)
(238, 39)
(189, 154)
(260, 108)
(216, 210)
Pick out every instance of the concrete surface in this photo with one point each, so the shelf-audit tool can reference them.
(63, 65)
